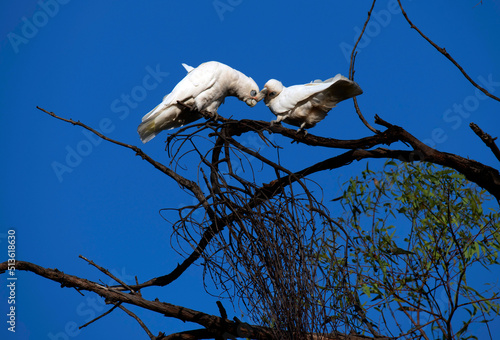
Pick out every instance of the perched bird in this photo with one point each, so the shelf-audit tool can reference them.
(305, 105)
(203, 88)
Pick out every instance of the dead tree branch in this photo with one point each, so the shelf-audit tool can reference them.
(246, 212)
(353, 53)
(184, 182)
(484, 176)
(101, 316)
(210, 322)
(139, 321)
(351, 70)
(447, 55)
(108, 273)
(487, 139)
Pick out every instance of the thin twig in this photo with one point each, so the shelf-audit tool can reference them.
(107, 272)
(351, 71)
(102, 315)
(151, 336)
(353, 53)
(360, 115)
(447, 55)
(184, 182)
(479, 3)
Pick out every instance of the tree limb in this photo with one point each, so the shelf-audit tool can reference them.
(353, 52)
(141, 323)
(210, 322)
(447, 55)
(487, 139)
(484, 176)
(184, 182)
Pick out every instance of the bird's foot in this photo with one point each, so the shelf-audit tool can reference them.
(213, 116)
(186, 106)
(301, 129)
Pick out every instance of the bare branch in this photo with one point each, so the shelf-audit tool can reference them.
(196, 334)
(485, 176)
(266, 236)
(185, 183)
(151, 336)
(237, 128)
(487, 139)
(351, 70)
(211, 322)
(101, 316)
(353, 53)
(222, 310)
(108, 273)
(167, 309)
(263, 249)
(447, 55)
(360, 115)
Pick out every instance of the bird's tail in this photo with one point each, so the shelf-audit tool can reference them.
(147, 130)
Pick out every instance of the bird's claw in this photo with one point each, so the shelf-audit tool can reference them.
(299, 130)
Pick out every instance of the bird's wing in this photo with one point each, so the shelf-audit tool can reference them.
(337, 89)
(204, 76)
(291, 96)
(195, 82)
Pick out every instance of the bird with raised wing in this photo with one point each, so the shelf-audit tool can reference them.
(306, 105)
(203, 88)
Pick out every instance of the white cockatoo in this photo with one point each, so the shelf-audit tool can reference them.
(203, 88)
(306, 105)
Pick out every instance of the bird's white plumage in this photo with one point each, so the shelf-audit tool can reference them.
(305, 105)
(203, 88)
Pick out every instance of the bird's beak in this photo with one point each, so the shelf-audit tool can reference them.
(251, 101)
(262, 94)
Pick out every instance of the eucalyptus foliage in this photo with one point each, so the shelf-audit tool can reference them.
(419, 253)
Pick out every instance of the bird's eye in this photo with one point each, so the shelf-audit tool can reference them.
(272, 94)
(253, 93)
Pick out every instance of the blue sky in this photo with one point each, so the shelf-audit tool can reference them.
(109, 63)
